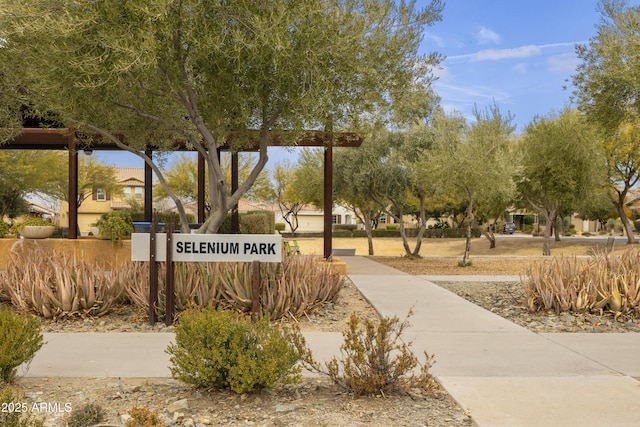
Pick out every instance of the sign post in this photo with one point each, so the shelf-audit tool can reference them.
(169, 247)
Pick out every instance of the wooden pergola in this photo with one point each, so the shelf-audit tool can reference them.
(35, 138)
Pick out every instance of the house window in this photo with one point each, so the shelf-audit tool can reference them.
(101, 194)
(133, 192)
(383, 219)
(336, 219)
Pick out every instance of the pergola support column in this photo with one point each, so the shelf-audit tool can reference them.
(148, 189)
(328, 199)
(73, 185)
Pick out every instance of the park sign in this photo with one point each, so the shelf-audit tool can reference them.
(210, 247)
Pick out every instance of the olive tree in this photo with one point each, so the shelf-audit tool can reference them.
(478, 166)
(607, 85)
(139, 73)
(563, 165)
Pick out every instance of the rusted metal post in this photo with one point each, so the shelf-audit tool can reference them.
(73, 185)
(169, 288)
(328, 199)
(153, 272)
(255, 290)
(148, 188)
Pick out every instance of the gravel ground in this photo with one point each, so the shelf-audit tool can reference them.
(314, 402)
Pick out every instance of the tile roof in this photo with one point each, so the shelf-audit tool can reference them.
(130, 176)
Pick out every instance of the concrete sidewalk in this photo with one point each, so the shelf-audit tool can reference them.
(502, 373)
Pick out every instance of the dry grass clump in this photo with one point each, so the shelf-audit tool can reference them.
(606, 282)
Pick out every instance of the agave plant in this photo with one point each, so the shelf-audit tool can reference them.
(299, 285)
(604, 283)
(54, 285)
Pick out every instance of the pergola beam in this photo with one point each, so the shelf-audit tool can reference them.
(67, 139)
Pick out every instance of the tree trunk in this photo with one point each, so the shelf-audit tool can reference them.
(422, 228)
(546, 246)
(368, 228)
(490, 235)
(467, 246)
(628, 228)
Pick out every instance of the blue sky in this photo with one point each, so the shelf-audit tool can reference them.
(518, 53)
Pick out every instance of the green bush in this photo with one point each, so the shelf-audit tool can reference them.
(115, 225)
(342, 233)
(375, 359)
(270, 217)
(20, 339)
(280, 226)
(12, 416)
(4, 228)
(86, 416)
(255, 223)
(348, 227)
(392, 227)
(218, 349)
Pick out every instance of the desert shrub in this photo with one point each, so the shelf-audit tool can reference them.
(606, 282)
(14, 412)
(20, 339)
(347, 227)
(4, 228)
(54, 285)
(86, 416)
(216, 348)
(270, 217)
(143, 417)
(255, 223)
(375, 360)
(297, 286)
(115, 225)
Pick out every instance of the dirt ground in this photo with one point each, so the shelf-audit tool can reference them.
(505, 246)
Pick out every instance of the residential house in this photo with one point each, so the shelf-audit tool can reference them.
(100, 201)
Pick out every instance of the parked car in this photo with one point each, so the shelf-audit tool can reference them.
(509, 227)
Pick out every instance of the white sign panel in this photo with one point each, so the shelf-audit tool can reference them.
(210, 247)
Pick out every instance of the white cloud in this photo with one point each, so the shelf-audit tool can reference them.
(517, 52)
(499, 54)
(566, 62)
(487, 36)
(521, 67)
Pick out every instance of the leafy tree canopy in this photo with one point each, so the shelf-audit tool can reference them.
(195, 71)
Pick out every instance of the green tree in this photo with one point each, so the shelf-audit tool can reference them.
(197, 72)
(351, 192)
(308, 178)
(607, 84)
(480, 167)
(182, 177)
(285, 196)
(563, 165)
(92, 174)
(23, 172)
